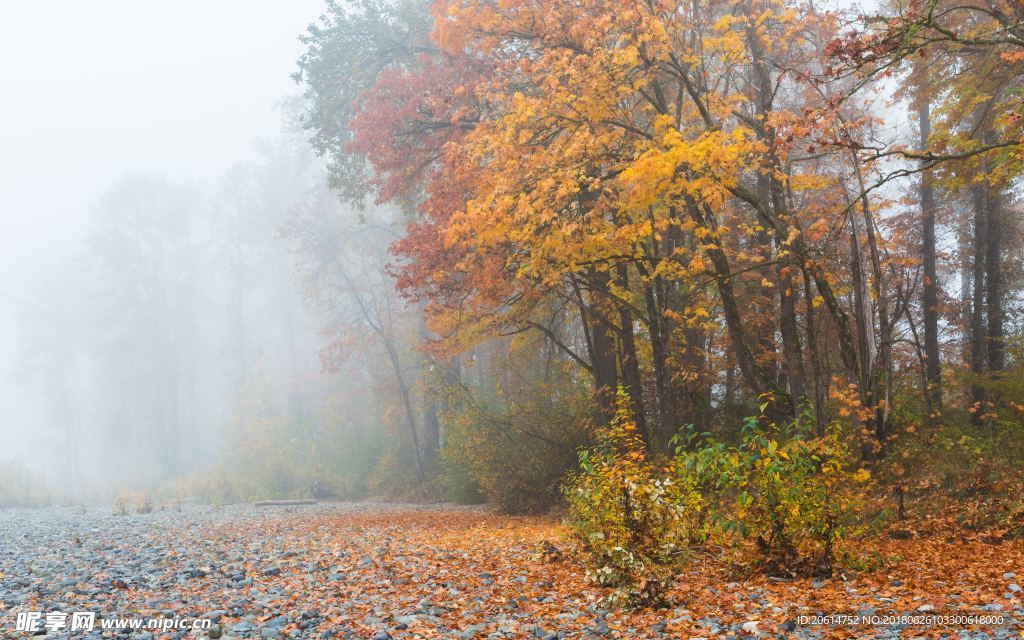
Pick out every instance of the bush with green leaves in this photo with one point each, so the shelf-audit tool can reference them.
(632, 514)
(797, 495)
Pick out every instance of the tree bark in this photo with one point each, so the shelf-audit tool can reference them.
(979, 203)
(601, 349)
(757, 379)
(930, 285)
(628, 361)
(995, 338)
(410, 419)
(431, 420)
(819, 373)
(791, 347)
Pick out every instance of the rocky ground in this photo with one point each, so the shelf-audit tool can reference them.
(379, 572)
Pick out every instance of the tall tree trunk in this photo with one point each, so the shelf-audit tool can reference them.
(930, 285)
(862, 314)
(996, 340)
(819, 374)
(965, 239)
(601, 349)
(452, 376)
(431, 421)
(791, 347)
(758, 379)
(629, 363)
(606, 379)
(410, 418)
(659, 328)
(763, 312)
(431, 429)
(878, 369)
(732, 400)
(979, 203)
(764, 305)
(864, 321)
(697, 388)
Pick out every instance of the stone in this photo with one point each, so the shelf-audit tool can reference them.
(472, 631)
(279, 621)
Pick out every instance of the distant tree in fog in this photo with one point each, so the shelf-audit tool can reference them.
(50, 358)
(147, 260)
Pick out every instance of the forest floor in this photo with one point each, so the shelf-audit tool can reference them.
(388, 571)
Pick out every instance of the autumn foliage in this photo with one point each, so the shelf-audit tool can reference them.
(634, 516)
(788, 502)
(699, 212)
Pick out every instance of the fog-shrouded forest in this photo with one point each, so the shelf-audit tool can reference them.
(183, 340)
(221, 332)
(507, 318)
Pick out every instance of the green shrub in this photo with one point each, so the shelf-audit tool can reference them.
(797, 496)
(633, 515)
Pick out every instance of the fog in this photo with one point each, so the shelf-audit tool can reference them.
(146, 175)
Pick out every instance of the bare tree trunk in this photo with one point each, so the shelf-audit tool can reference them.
(768, 195)
(758, 379)
(862, 315)
(791, 346)
(431, 421)
(410, 419)
(601, 349)
(864, 321)
(431, 429)
(658, 327)
(930, 286)
(879, 359)
(819, 375)
(977, 327)
(628, 360)
(995, 343)
(606, 379)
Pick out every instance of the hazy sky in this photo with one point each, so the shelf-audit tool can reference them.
(94, 89)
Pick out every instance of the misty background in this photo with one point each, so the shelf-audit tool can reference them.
(148, 178)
